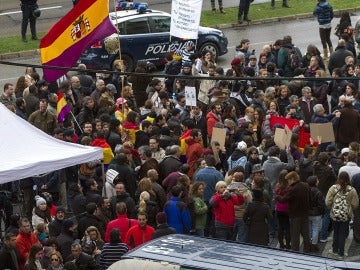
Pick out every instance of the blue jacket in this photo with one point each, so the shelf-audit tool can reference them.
(210, 176)
(178, 215)
(324, 13)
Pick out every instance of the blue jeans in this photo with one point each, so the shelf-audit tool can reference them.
(314, 228)
(341, 231)
(325, 224)
(239, 231)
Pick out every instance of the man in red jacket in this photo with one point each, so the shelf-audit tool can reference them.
(24, 241)
(140, 233)
(123, 223)
(194, 149)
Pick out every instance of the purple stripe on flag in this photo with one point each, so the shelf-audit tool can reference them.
(64, 111)
(69, 57)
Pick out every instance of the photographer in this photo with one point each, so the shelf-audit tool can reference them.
(223, 203)
(30, 11)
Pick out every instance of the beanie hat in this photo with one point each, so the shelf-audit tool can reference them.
(242, 146)
(189, 43)
(39, 200)
(60, 209)
(67, 224)
(111, 175)
(235, 61)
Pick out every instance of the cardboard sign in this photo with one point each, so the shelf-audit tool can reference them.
(282, 137)
(324, 130)
(216, 154)
(185, 18)
(219, 135)
(190, 96)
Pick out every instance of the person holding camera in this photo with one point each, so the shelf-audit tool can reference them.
(30, 11)
(223, 203)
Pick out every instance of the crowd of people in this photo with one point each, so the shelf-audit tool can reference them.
(162, 173)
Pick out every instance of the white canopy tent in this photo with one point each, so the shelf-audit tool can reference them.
(26, 151)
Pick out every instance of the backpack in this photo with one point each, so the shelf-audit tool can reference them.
(293, 61)
(240, 162)
(340, 210)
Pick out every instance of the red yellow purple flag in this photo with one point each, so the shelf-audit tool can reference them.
(62, 108)
(85, 24)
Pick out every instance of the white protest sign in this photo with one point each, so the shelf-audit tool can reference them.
(185, 18)
(190, 95)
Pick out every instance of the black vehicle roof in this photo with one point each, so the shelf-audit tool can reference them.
(192, 252)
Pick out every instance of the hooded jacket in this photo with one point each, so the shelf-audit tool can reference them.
(324, 13)
(194, 151)
(212, 119)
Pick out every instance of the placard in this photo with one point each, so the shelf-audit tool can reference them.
(324, 130)
(219, 135)
(282, 137)
(185, 18)
(190, 96)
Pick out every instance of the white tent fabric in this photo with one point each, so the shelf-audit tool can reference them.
(26, 151)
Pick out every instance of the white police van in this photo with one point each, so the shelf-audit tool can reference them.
(145, 36)
(186, 252)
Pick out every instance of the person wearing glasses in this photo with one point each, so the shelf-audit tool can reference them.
(56, 261)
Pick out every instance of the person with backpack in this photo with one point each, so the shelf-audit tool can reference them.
(342, 199)
(289, 57)
(238, 157)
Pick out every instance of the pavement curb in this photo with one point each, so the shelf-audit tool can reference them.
(337, 13)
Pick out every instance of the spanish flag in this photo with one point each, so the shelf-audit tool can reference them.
(62, 108)
(85, 24)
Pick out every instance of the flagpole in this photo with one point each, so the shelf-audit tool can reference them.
(121, 60)
(77, 123)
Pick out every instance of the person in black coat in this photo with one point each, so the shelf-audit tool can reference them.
(162, 228)
(77, 200)
(82, 260)
(114, 137)
(256, 217)
(337, 58)
(56, 225)
(125, 173)
(123, 196)
(66, 238)
(171, 162)
(89, 220)
(92, 193)
(9, 258)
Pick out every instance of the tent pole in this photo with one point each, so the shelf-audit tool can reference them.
(103, 177)
(76, 122)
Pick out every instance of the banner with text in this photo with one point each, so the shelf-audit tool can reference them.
(185, 18)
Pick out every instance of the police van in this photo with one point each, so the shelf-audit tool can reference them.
(188, 252)
(145, 36)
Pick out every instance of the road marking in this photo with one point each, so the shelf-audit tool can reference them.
(15, 12)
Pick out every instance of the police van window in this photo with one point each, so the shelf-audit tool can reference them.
(160, 24)
(137, 26)
(121, 27)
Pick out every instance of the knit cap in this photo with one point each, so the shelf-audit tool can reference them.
(39, 200)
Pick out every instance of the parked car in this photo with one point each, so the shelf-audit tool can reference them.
(145, 36)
